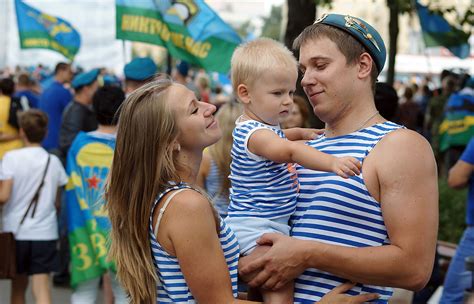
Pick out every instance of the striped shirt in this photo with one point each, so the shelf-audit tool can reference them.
(260, 187)
(213, 187)
(171, 286)
(339, 211)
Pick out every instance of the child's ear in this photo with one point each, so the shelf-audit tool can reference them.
(243, 93)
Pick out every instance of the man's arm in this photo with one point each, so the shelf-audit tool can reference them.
(5, 190)
(400, 173)
(460, 174)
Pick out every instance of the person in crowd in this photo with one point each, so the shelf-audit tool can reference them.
(9, 135)
(458, 278)
(158, 217)
(215, 166)
(386, 101)
(53, 101)
(24, 87)
(264, 184)
(181, 76)
(299, 114)
(26, 174)
(79, 114)
(138, 72)
(378, 229)
(409, 112)
(88, 163)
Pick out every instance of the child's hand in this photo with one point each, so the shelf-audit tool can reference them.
(346, 166)
(309, 134)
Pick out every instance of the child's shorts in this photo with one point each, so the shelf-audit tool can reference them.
(35, 257)
(249, 229)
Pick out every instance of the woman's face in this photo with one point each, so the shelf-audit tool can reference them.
(294, 119)
(197, 125)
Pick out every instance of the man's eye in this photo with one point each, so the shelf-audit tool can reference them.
(321, 66)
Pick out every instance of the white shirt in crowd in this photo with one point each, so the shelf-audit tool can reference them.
(26, 166)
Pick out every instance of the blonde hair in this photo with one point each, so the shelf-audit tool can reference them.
(220, 151)
(142, 167)
(250, 60)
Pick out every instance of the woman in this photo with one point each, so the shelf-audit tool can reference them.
(186, 254)
(299, 115)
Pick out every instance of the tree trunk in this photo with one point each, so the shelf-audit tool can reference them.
(301, 13)
(393, 37)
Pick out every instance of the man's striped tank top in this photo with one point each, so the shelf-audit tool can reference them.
(171, 285)
(339, 211)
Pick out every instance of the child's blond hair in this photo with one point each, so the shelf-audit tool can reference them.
(251, 59)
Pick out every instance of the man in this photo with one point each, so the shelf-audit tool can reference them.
(88, 163)
(53, 101)
(24, 88)
(458, 279)
(138, 72)
(377, 229)
(79, 115)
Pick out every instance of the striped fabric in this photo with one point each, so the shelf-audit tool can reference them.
(260, 187)
(171, 286)
(339, 211)
(213, 187)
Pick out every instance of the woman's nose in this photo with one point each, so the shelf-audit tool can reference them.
(209, 108)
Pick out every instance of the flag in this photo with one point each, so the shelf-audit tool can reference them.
(40, 30)
(190, 30)
(438, 32)
(88, 163)
(457, 127)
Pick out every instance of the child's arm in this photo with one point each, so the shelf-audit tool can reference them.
(5, 190)
(269, 145)
(302, 133)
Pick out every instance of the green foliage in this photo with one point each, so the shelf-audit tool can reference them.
(272, 24)
(452, 212)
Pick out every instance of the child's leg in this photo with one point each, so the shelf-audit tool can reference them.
(283, 295)
(41, 289)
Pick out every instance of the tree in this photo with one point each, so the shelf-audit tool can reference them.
(272, 24)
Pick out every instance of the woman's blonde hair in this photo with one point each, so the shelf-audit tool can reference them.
(142, 167)
(220, 151)
(251, 59)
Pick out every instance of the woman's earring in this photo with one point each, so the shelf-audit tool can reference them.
(178, 148)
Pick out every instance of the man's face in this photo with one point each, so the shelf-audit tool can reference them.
(327, 79)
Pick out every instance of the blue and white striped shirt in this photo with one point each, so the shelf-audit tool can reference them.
(171, 286)
(260, 187)
(339, 211)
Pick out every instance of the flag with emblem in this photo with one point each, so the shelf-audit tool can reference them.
(189, 29)
(457, 127)
(43, 31)
(88, 163)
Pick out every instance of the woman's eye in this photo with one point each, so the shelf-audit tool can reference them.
(194, 111)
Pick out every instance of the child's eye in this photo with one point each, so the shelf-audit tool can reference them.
(277, 93)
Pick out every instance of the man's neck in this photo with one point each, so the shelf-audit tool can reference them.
(107, 129)
(355, 117)
(31, 145)
(79, 98)
(59, 79)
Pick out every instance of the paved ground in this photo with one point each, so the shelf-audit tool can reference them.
(61, 295)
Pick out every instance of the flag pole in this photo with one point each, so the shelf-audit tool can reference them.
(124, 50)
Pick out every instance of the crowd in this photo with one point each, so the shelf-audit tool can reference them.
(203, 195)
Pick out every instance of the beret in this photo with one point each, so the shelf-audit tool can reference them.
(84, 79)
(140, 68)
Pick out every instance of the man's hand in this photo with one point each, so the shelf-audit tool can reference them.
(337, 295)
(282, 263)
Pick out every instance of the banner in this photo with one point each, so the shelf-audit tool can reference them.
(88, 163)
(438, 32)
(43, 31)
(457, 127)
(189, 29)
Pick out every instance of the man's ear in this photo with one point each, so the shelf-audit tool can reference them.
(365, 65)
(243, 93)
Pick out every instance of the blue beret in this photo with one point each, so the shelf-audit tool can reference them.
(84, 79)
(140, 68)
(360, 30)
(183, 68)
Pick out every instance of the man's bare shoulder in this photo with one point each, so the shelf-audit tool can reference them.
(403, 141)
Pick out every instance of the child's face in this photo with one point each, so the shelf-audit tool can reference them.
(271, 96)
